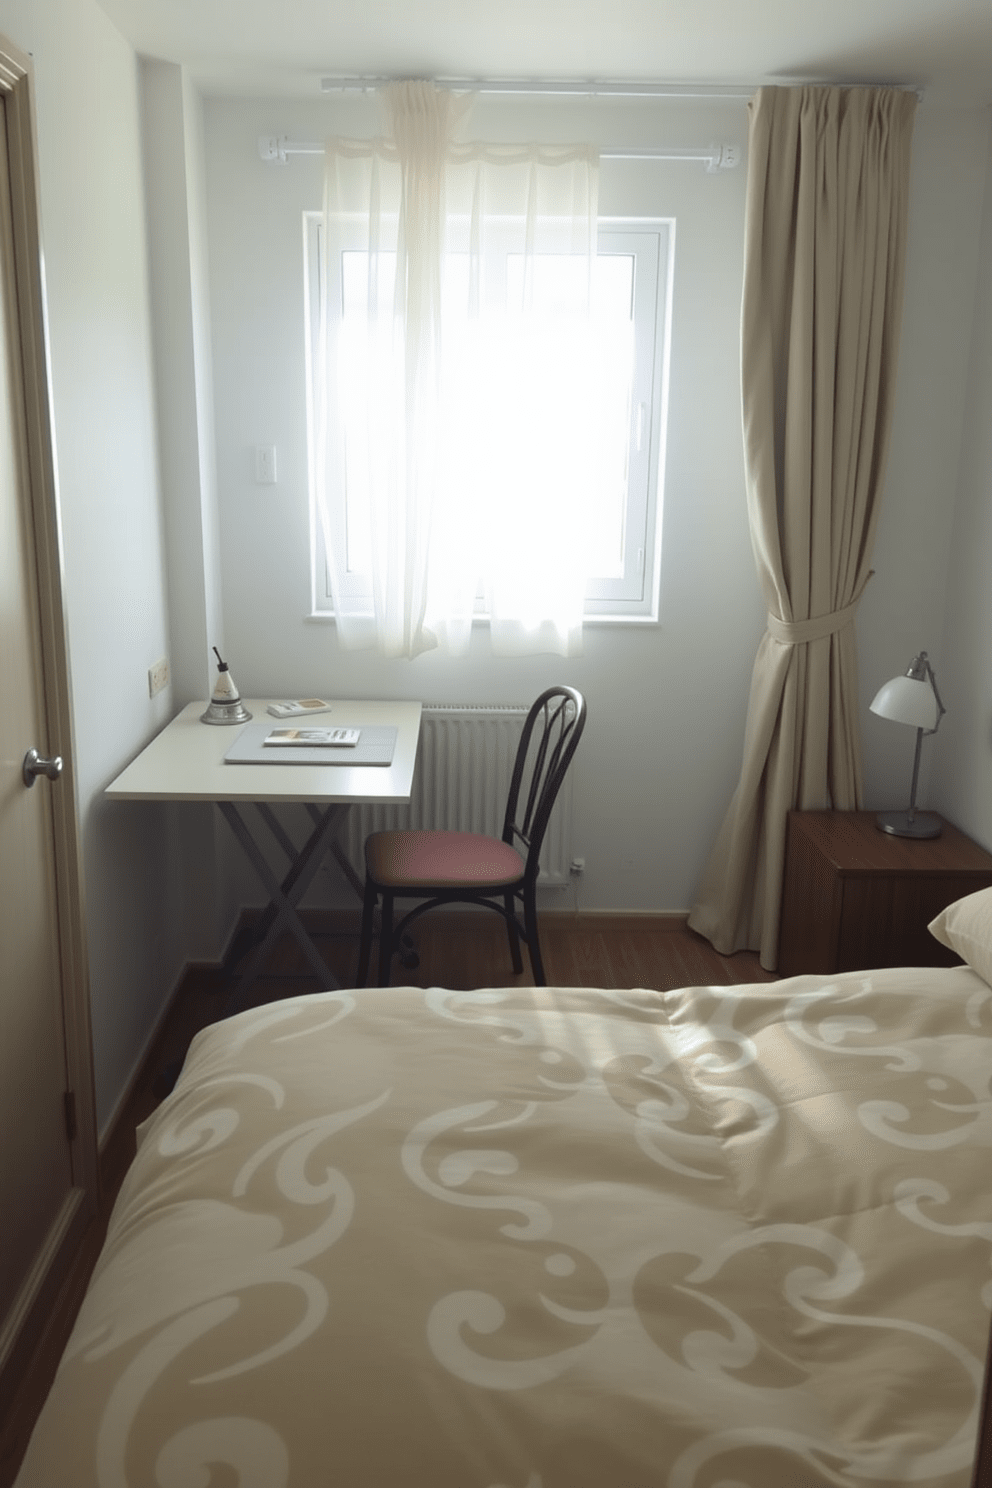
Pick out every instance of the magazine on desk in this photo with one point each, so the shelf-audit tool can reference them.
(313, 738)
(258, 744)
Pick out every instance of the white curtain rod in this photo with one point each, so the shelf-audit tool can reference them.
(603, 88)
(715, 157)
(562, 87)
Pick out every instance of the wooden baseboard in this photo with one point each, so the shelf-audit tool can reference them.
(42, 1346)
(657, 919)
(122, 1118)
(344, 919)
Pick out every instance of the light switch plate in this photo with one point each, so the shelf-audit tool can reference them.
(265, 465)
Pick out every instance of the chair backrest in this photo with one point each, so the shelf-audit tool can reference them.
(551, 733)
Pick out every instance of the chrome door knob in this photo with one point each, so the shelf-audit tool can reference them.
(35, 765)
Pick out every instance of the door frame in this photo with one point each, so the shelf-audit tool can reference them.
(22, 1330)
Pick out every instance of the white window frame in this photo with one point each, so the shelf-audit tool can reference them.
(633, 597)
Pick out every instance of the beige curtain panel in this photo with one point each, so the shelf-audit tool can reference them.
(828, 180)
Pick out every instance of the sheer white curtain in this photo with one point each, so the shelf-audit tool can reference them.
(455, 385)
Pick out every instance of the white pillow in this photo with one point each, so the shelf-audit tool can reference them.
(966, 927)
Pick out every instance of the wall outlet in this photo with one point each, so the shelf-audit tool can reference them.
(158, 676)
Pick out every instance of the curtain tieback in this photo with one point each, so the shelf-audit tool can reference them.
(799, 632)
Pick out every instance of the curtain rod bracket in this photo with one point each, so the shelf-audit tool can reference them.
(723, 157)
(273, 147)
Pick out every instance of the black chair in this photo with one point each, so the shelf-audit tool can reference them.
(439, 867)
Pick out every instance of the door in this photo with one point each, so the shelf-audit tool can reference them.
(47, 1172)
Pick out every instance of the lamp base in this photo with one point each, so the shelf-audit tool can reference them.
(909, 823)
(232, 712)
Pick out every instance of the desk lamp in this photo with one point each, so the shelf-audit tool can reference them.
(225, 705)
(912, 699)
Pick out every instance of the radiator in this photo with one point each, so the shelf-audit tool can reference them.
(464, 763)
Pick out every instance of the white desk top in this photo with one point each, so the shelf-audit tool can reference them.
(185, 762)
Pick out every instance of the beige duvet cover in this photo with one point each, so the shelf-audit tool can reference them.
(551, 1238)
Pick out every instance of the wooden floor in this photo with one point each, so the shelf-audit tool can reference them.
(468, 948)
(458, 950)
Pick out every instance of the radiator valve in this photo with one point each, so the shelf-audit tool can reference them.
(577, 866)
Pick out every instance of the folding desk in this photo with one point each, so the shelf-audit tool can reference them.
(185, 762)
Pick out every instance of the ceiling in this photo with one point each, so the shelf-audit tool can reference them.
(261, 48)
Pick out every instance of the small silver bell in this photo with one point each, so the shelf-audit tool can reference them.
(225, 705)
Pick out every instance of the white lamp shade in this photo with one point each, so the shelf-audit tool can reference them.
(905, 700)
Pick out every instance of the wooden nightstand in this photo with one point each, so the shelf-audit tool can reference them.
(857, 897)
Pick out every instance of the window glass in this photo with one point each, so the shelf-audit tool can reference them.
(514, 383)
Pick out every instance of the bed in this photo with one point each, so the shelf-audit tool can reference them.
(719, 1237)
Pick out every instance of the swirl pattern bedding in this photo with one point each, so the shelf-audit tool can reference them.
(551, 1238)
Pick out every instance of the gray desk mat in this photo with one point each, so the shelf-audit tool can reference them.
(375, 747)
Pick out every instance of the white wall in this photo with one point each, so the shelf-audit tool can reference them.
(903, 610)
(172, 134)
(660, 756)
(101, 366)
(204, 903)
(963, 784)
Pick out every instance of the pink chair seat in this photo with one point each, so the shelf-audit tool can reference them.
(441, 860)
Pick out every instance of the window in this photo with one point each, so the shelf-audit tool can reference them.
(631, 307)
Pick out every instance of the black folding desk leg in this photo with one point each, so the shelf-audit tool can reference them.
(284, 896)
